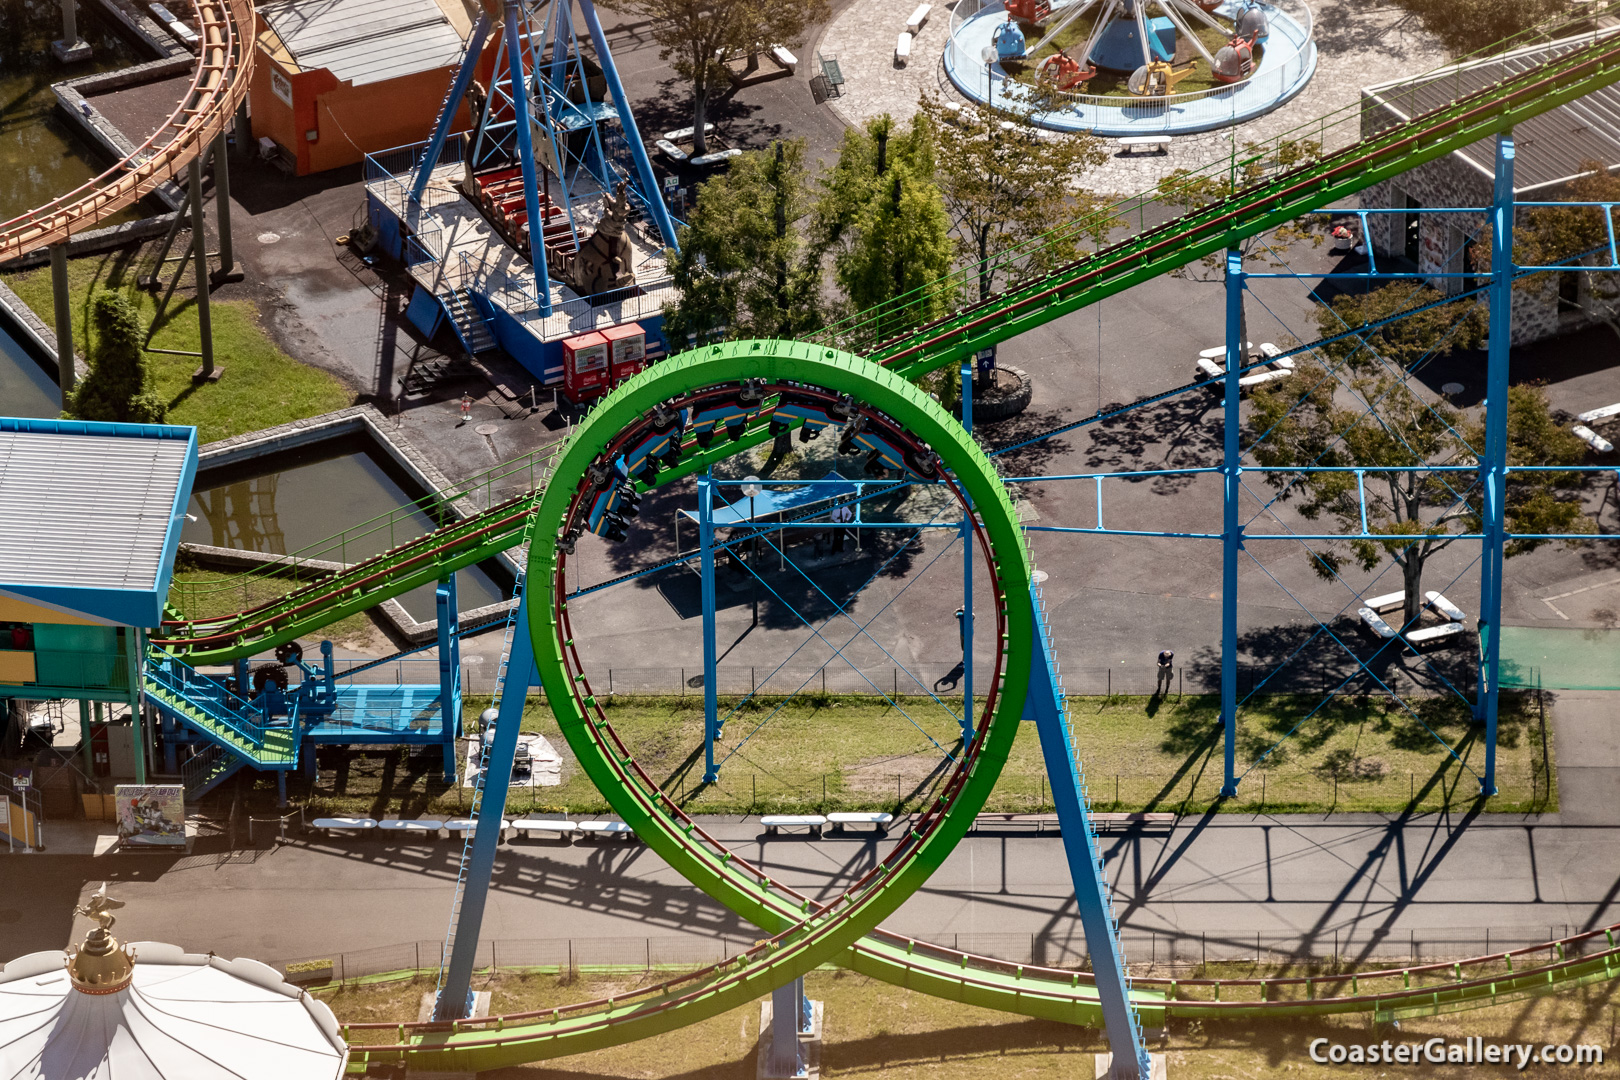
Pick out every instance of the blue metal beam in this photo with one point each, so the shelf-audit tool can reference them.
(452, 102)
(455, 997)
(711, 665)
(1231, 530)
(449, 638)
(967, 572)
(525, 141)
(1493, 462)
(627, 120)
(1045, 706)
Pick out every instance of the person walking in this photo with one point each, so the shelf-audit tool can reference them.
(466, 407)
(1167, 658)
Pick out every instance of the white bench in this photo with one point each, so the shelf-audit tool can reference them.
(343, 824)
(1444, 608)
(1038, 822)
(1431, 634)
(606, 828)
(919, 18)
(1592, 439)
(878, 820)
(1134, 143)
(671, 151)
(1386, 601)
(774, 822)
(1370, 619)
(1209, 369)
(465, 825)
(785, 58)
(686, 133)
(1599, 414)
(1260, 378)
(1109, 822)
(563, 830)
(429, 828)
(717, 157)
(902, 49)
(1219, 351)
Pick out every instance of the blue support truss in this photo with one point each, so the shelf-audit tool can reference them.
(1045, 705)
(449, 638)
(711, 664)
(1231, 530)
(1493, 462)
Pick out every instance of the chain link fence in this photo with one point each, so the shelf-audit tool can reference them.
(1147, 952)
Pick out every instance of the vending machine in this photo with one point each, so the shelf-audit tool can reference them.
(585, 366)
(627, 344)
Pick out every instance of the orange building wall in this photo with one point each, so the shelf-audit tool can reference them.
(349, 121)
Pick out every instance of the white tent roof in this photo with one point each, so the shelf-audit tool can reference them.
(184, 1016)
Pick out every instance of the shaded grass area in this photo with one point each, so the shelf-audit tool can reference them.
(880, 1031)
(262, 386)
(831, 752)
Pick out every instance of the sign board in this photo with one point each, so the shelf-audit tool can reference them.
(151, 815)
(281, 86)
(23, 782)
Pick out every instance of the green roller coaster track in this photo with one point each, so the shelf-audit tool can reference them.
(847, 931)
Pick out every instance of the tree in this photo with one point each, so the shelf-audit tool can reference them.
(881, 216)
(1189, 191)
(743, 270)
(1375, 419)
(696, 36)
(1007, 182)
(1550, 235)
(1466, 26)
(118, 386)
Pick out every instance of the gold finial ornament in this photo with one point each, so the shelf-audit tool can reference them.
(99, 965)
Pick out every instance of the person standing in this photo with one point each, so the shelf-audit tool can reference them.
(466, 407)
(1167, 665)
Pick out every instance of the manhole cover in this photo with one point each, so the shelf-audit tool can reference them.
(487, 429)
(1453, 388)
(1038, 576)
(269, 237)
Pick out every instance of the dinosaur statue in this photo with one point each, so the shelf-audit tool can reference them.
(602, 262)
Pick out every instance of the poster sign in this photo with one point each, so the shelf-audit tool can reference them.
(151, 815)
(281, 86)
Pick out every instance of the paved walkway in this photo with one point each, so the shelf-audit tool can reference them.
(1358, 45)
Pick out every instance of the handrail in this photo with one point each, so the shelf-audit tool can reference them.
(164, 669)
(219, 84)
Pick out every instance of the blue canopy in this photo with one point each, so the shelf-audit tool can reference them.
(772, 501)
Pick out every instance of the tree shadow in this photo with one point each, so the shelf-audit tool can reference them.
(1177, 433)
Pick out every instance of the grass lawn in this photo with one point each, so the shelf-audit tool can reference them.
(831, 753)
(881, 1032)
(262, 386)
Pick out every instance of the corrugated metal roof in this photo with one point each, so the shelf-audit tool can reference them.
(86, 511)
(365, 41)
(1550, 147)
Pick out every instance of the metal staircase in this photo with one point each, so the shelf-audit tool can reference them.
(471, 327)
(205, 771)
(205, 707)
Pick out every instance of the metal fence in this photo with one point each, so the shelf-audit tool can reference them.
(1148, 952)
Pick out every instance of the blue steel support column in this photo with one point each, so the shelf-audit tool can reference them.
(455, 998)
(449, 613)
(627, 120)
(1231, 532)
(967, 573)
(1493, 462)
(452, 102)
(711, 710)
(1044, 706)
(525, 141)
(787, 1006)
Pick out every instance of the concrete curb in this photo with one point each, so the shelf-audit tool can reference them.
(35, 332)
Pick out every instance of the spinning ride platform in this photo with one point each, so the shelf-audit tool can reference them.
(1285, 69)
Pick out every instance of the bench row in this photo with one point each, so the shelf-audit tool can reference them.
(772, 822)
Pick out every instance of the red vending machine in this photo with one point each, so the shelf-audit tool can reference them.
(627, 345)
(585, 366)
